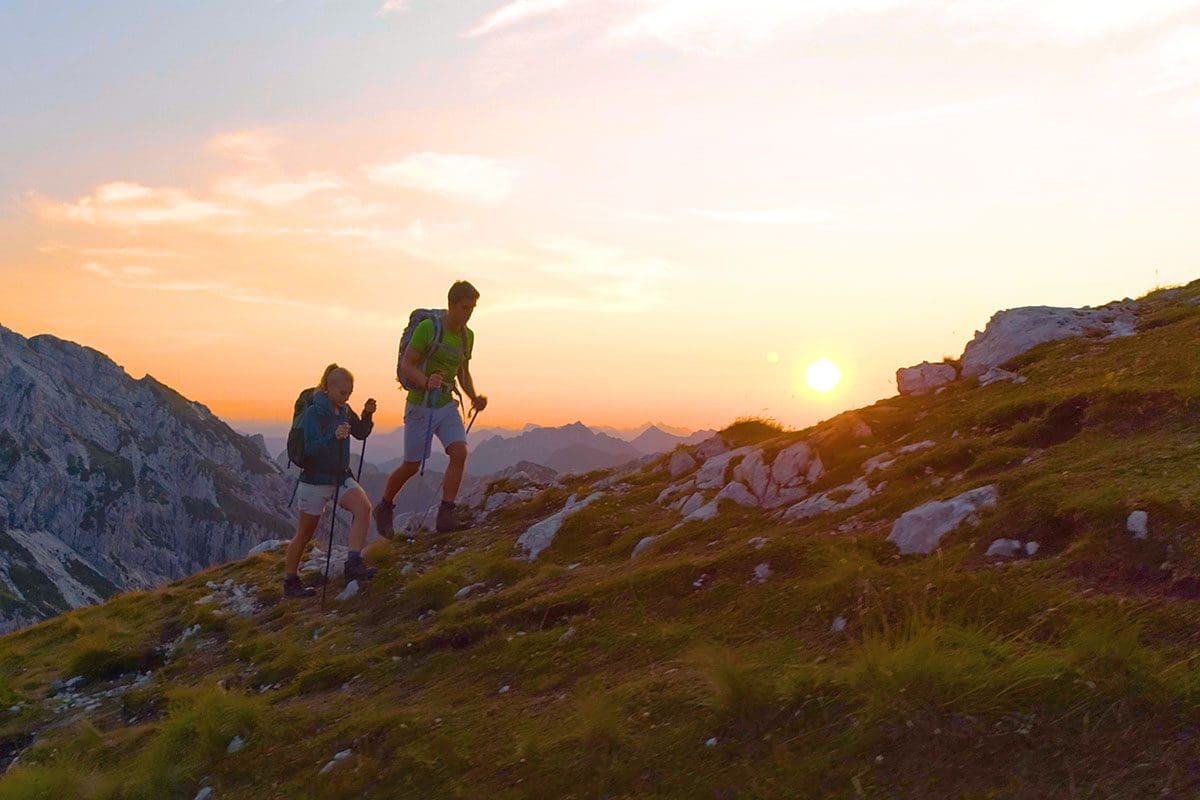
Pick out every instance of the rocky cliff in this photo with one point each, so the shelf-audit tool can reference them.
(107, 482)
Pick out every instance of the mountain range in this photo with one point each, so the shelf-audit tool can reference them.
(111, 483)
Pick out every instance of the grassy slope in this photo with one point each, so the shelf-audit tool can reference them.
(1071, 674)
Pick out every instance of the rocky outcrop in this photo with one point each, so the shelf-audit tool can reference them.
(539, 536)
(125, 483)
(924, 377)
(1010, 333)
(921, 529)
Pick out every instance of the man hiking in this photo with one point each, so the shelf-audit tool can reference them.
(437, 353)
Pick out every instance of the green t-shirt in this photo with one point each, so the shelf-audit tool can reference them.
(449, 356)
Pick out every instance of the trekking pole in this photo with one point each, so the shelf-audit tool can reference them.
(332, 520)
(474, 416)
(428, 428)
(363, 454)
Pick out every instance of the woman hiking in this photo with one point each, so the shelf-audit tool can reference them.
(328, 423)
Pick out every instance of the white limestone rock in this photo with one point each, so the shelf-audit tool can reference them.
(466, 591)
(690, 504)
(997, 375)
(676, 488)
(754, 473)
(1006, 548)
(681, 462)
(540, 535)
(350, 591)
(1138, 524)
(642, 546)
(268, 546)
(738, 493)
(712, 446)
(1010, 333)
(924, 377)
(702, 514)
(713, 472)
(919, 530)
(793, 465)
(839, 498)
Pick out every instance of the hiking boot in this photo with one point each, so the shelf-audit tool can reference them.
(292, 587)
(357, 570)
(448, 521)
(383, 513)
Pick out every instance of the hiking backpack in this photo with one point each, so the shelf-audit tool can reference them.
(414, 319)
(295, 440)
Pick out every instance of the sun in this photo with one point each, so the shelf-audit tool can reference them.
(823, 375)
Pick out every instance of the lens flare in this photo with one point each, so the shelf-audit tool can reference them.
(823, 376)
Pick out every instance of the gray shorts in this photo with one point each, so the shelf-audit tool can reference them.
(311, 498)
(447, 427)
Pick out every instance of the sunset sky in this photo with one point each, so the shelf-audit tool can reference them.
(672, 208)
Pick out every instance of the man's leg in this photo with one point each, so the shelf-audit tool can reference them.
(398, 478)
(415, 448)
(385, 510)
(454, 438)
(454, 472)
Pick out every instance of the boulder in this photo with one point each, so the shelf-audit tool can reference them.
(674, 489)
(793, 465)
(1010, 333)
(1138, 524)
(712, 446)
(855, 493)
(921, 529)
(997, 375)
(681, 462)
(538, 537)
(702, 514)
(1006, 548)
(691, 504)
(924, 377)
(642, 545)
(713, 472)
(754, 473)
(738, 493)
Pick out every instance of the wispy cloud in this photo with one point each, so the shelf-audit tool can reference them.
(277, 193)
(125, 204)
(392, 7)
(1060, 21)
(594, 277)
(720, 25)
(717, 26)
(769, 216)
(462, 176)
(141, 279)
(517, 12)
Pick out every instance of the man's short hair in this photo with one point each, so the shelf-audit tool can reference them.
(461, 290)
